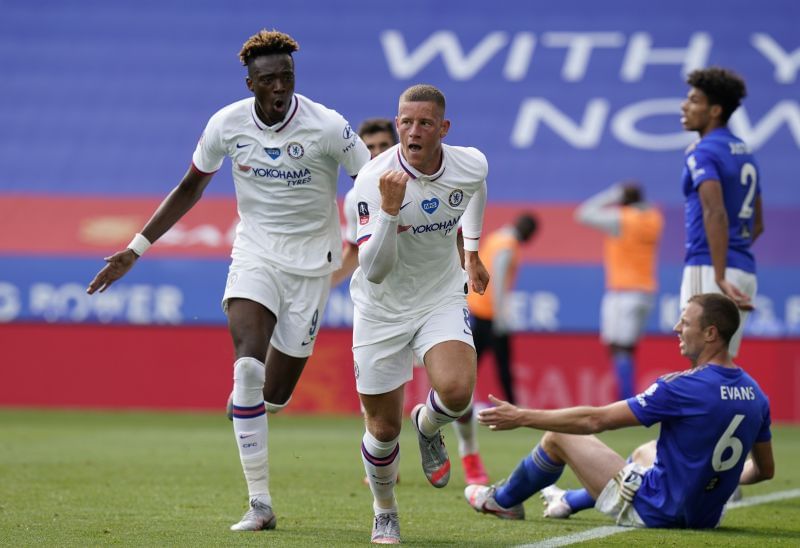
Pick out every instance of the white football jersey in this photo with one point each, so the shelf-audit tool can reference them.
(428, 270)
(285, 177)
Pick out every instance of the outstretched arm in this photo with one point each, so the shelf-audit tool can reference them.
(572, 420)
(175, 205)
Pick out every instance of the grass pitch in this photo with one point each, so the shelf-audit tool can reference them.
(71, 478)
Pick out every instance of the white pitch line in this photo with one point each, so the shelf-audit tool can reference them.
(591, 534)
(763, 499)
(607, 531)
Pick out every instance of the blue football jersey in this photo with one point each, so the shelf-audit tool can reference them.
(721, 156)
(710, 418)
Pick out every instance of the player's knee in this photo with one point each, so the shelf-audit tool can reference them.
(276, 407)
(248, 372)
(383, 431)
(645, 454)
(550, 443)
(460, 405)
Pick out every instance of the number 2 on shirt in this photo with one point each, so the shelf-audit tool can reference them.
(748, 176)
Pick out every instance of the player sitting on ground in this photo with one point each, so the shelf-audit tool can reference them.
(711, 416)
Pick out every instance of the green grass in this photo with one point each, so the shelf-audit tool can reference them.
(70, 478)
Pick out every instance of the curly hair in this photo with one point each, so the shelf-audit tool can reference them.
(267, 42)
(723, 87)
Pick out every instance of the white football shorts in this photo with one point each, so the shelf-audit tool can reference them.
(623, 316)
(616, 499)
(699, 279)
(383, 351)
(298, 302)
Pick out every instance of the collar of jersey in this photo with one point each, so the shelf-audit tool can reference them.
(721, 130)
(414, 174)
(280, 125)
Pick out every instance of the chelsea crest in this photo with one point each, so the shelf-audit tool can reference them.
(295, 150)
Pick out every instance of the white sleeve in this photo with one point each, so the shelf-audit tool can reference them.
(345, 146)
(210, 151)
(377, 232)
(472, 221)
(350, 212)
(378, 254)
(595, 211)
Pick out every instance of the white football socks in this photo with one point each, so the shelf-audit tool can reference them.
(381, 462)
(435, 415)
(250, 426)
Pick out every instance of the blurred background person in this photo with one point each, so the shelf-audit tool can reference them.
(633, 231)
(491, 329)
(490, 324)
(722, 186)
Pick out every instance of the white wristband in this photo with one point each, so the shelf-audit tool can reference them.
(139, 244)
(470, 244)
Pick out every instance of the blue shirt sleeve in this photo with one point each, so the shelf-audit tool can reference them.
(659, 402)
(702, 166)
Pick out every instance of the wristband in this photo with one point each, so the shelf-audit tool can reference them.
(470, 244)
(139, 244)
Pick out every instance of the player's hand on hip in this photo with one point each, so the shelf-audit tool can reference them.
(741, 298)
(392, 186)
(503, 416)
(117, 265)
(476, 271)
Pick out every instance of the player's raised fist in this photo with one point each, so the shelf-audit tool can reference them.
(392, 186)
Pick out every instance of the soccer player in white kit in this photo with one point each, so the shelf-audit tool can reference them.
(285, 152)
(410, 292)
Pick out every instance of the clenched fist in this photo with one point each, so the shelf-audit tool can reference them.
(392, 186)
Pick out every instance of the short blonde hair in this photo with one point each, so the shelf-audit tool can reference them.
(424, 93)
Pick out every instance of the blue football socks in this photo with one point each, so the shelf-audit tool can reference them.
(579, 499)
(533, 473)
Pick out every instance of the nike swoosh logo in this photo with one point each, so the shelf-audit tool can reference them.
(304, 343)
(404, 205)
(242, 146)
(467, 333)
(245, 436)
